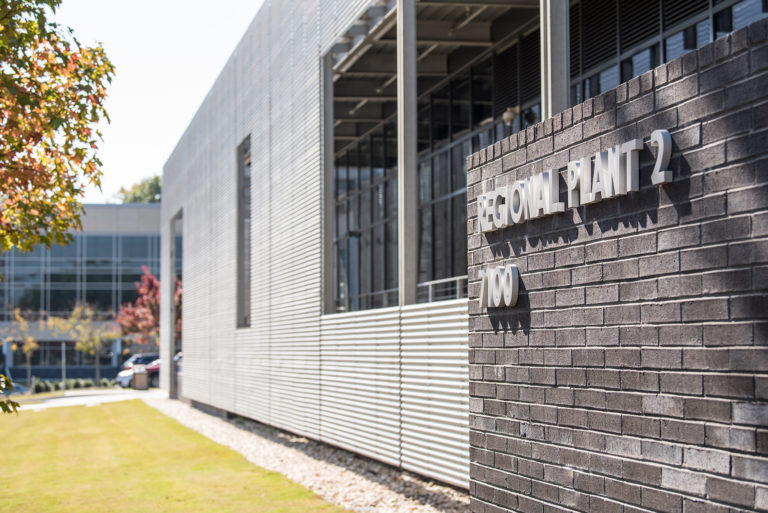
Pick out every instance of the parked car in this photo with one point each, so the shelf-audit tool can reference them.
(153, 373)
(125, 376)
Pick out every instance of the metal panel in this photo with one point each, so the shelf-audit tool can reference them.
(435, 394)
(360, 382)
(337, 378)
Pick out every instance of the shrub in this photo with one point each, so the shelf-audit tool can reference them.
(69, 384)
(78, 383)
(48, 386)
(38, 386)
(104, 382)
(88, 383)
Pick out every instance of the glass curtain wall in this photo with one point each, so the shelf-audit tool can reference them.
(365, 245)
(615, 41)
(461, 115)
(100, 270)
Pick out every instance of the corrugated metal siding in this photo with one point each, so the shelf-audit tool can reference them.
(349, 379)
(435, 393)
(360, 382)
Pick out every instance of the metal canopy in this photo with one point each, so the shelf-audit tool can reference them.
(450, 34)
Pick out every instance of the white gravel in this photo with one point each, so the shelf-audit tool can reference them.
(338, 476)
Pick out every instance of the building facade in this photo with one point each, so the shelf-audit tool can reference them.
(99, 268)
(321, 195)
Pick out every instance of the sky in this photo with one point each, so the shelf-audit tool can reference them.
(167, 55)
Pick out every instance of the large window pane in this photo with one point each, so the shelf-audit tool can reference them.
(425, 244)
(442, 238)
(135, 247)
(392, 255)
(460, 106)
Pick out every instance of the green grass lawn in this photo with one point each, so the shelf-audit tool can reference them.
(127, 457)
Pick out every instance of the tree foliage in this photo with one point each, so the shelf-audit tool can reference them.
(141, 319)
(20, 332)
(7, 405)
(90, 334)
(146, 191)
(52, 93)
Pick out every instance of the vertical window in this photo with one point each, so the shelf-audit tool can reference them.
(244, 233)
(365, 235)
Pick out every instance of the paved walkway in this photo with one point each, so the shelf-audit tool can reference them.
(93, 398)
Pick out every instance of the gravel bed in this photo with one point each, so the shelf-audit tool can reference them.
(338, 476)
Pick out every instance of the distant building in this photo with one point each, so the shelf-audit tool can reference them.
(99, 268)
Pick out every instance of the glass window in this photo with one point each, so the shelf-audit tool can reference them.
(482, 93)
(425, 244)
(62, 300)
(460, 103)
(723, 22)
(244, 233)
(425, 180)
(99, 247)
(747, 12)
(99, 300)
(134, 247)
(441, 116)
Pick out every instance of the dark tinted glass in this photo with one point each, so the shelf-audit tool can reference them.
(100, 247)
(135, 246)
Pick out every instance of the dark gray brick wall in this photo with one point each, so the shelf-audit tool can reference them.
(633, 374)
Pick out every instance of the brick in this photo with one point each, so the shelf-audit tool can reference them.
(635, 109)
(602, 294)
(707, 460)
(730, 492)
(681, 383)
(662, 452)
(641, 472)
(701, 107)
(729, 229)
(568, 137)
(684, 481)
(665, 405)
(653, 313)
(658, 500)
(682, 431)
(663, 263)
(734, 386)
(679, 237)
(705, 310)
(677, 92)
(746, 200)
(726, 126)
(729, 334)
(638, 335)
(729, 437)
(720, 75)
(707, 409)
(622, 491)
(641, 381)
(637, 245)
(603, 250)
(646, 427)
(711, 257)
(751, 414)
(750, 469)
(753, 252)
(680, 335)
(620, 270)
(744, 92)
(679, 286)
(749, 307)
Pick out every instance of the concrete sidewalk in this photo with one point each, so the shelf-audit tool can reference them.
(93, 398)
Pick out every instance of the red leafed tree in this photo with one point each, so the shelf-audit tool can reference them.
(142, 318)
